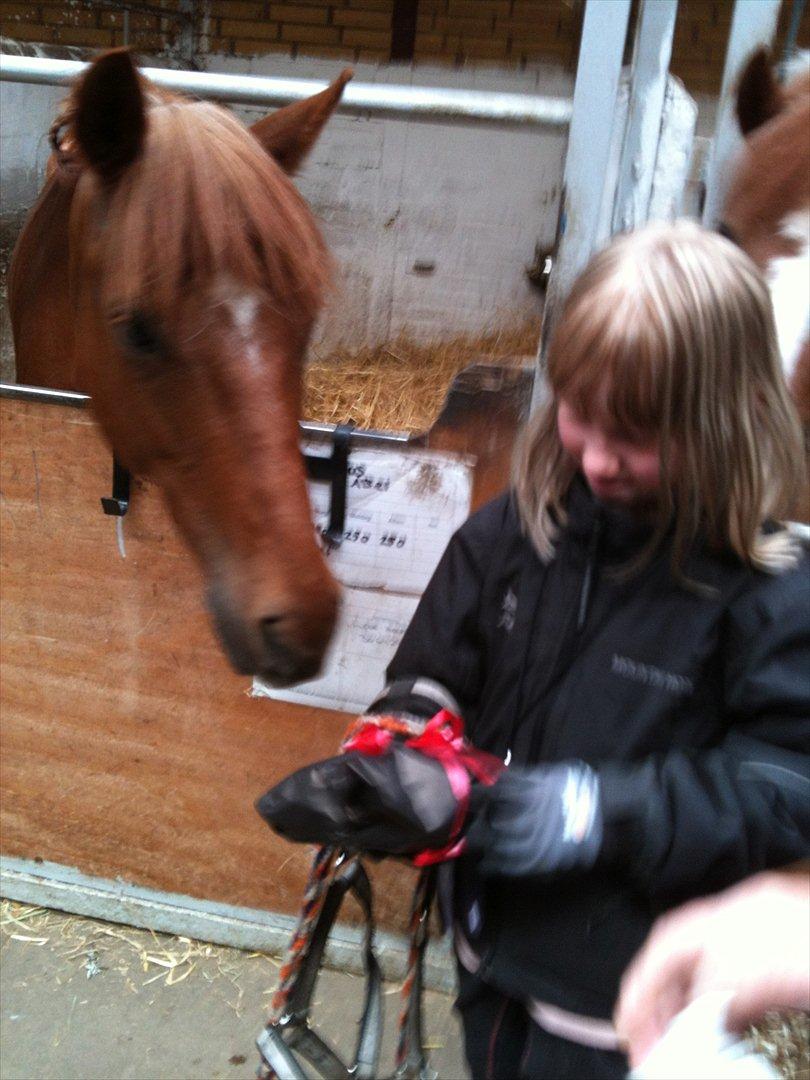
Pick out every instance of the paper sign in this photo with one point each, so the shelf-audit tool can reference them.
(402, 508)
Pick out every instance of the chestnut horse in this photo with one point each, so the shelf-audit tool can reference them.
(171, 270)
(767, 208)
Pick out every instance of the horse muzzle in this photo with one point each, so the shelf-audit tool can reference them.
(282, 649)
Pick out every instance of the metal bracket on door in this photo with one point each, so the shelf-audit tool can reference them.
(117, 504)
(335, 469)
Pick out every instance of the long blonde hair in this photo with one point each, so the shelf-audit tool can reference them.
(672, 327)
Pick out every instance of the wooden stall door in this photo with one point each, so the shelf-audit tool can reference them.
(129, 748)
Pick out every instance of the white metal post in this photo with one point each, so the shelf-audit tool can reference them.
(599, 67)
(648, 82)
(753, 23)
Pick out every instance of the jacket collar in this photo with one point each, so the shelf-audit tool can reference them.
(622, 533)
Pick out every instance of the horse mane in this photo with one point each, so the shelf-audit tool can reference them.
(203, 197)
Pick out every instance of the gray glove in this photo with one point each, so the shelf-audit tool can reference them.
(540, 821)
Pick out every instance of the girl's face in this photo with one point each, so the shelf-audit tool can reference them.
(621, 469)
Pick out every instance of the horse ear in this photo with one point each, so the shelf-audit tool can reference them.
(290, 133)
(110, 116)
(759, 96)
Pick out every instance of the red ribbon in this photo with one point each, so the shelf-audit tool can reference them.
(370, 740)
(442, 739)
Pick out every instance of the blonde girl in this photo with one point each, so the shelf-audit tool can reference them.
(629, 629)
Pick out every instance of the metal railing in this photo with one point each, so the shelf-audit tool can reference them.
(307, 428)
(360, 99)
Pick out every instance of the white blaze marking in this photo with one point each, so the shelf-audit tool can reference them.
(243, 306)
(789, 279)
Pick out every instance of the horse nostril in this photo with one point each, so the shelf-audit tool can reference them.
(283, 661)
(270, 631)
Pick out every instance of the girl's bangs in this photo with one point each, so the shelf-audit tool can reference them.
(667, 336)
(609, 360)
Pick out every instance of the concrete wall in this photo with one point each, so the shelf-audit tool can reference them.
(26, 113)
(433, 225)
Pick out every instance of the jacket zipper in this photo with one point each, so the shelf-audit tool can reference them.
(590, 571)
(585, 593)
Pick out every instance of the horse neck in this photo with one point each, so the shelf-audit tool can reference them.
(39, 290)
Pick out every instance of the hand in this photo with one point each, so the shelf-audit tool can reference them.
(538, 821)
(753, 939)
(397, 803)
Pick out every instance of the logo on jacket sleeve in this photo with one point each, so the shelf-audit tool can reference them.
(648, 675)
(508, 611)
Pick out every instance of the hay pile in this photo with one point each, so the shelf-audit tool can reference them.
(141, 957)
(401, 385)
(785, 1041)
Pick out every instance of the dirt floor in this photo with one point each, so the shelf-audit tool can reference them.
(86, 999)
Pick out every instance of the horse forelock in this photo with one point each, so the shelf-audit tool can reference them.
(202, 199)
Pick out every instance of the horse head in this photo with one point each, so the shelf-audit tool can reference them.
(767, 208)
(196, 274)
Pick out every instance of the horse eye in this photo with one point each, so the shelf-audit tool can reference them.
(139, 335)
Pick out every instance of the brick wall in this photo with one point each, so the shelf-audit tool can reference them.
(701, 36)
(152, 27)
(520, 33)
(500, 33)
(348, 29)
(514, 32)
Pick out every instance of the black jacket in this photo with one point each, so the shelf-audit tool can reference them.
(694, 709)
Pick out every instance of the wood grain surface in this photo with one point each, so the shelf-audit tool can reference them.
(129, 748)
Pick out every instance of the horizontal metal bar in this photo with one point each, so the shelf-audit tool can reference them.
(358, 435)
(366, 99)
(53, 885)
(41, 393)
(367, 436)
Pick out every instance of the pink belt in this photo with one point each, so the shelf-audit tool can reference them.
(585, 1030)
